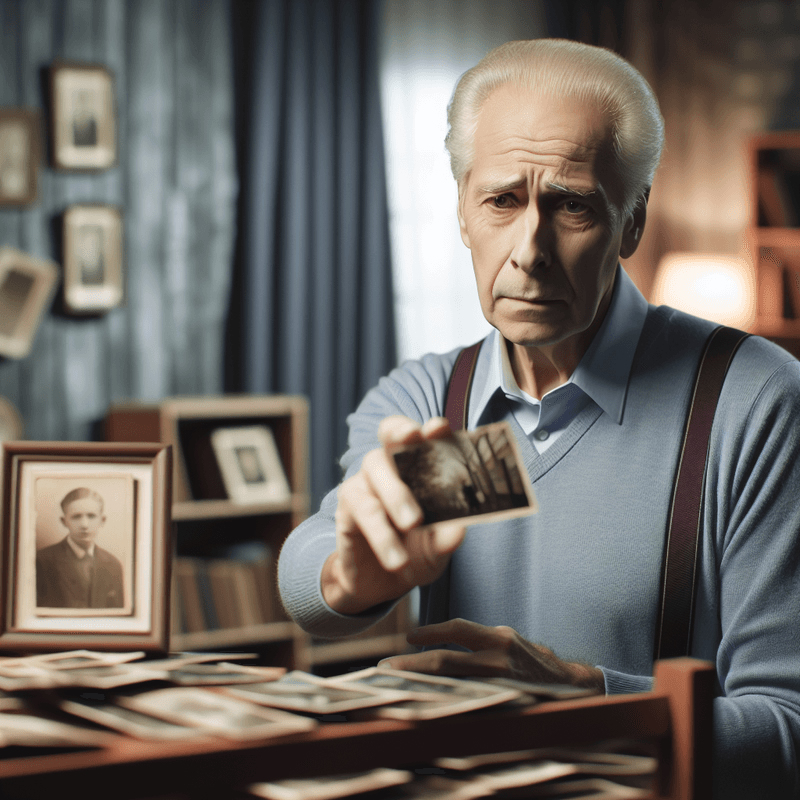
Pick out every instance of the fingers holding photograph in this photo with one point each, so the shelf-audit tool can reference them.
(467, 475)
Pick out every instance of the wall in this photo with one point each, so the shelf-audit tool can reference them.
(175, 182)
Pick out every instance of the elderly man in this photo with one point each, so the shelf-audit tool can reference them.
(554, 145)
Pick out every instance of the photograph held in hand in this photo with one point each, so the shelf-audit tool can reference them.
(471, 476)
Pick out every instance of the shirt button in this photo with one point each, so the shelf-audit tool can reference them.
(541, 435)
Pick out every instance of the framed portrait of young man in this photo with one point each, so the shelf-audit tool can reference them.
(83, 124)
(85, 546)
(19, 156)
(93, 263)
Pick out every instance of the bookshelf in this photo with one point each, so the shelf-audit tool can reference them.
(773, 234)
(224, 587)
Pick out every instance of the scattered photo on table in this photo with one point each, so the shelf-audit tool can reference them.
(474, 476)
(127, 721)
(331, 787)
(216, 713)
(310, 694)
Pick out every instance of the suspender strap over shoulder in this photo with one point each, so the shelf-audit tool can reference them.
(456, 402)
(679, 567)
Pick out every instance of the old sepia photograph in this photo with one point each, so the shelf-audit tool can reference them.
(27, 285)
(86, 533)
(19, 156)
(467, 475)
(93, 259)
(82, 117)
(250, 465)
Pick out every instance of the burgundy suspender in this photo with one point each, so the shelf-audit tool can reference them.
(678, 569)
(456, 400)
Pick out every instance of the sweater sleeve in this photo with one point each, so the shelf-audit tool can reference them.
(753, 509)
(414, 390)
(750, 587)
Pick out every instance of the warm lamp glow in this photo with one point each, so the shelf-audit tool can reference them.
(719, 288)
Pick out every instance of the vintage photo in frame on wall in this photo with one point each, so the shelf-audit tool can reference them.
(86, 546)
(19, 156)
(27, 285)
(93, 259)
(250, 465)
(82, 116)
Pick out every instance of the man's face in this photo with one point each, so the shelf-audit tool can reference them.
(540, 211)
(83, 519)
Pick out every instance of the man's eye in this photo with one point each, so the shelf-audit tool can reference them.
(574, 207)
(503, 201)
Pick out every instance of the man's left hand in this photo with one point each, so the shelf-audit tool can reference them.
(496, 652)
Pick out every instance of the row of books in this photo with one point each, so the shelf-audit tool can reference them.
(213, 593)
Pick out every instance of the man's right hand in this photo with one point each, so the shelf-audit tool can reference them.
(381, 553)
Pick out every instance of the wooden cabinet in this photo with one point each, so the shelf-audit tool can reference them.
(773, 234)
(226, 552)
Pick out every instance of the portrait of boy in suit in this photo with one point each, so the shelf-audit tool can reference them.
(76, 572)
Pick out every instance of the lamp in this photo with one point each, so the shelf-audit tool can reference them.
(715, 287)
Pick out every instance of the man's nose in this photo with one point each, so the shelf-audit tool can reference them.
(532, 246)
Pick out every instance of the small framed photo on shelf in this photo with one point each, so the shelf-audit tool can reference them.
(250, 465)
(86, 546)
(93, 262)
(83, 123)
(27, 285)
(19, 156)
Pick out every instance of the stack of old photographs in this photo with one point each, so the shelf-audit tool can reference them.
(87, 699)
(557, 773)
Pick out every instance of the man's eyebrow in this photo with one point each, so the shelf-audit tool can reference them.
(597, 192)
(503, 186)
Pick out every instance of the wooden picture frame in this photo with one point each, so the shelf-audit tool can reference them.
(59, 500)
(82, 122)
(250, 464)
(20, 154)
(93, 259)
(27, 285)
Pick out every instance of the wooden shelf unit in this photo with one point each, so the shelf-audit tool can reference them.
(203, 516)
(205, 519)
(773, 234)
(674, 719)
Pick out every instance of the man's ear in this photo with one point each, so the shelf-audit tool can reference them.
(634, 227)
(462, 225)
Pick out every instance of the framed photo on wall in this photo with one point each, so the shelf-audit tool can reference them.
(85, 546)
(83, 124)
(19, 156)
(27, 285)
(93, 261)
(250, 465)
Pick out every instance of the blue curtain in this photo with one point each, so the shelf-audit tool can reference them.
(312, 306)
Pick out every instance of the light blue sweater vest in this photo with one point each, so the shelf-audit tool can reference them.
(582, 575)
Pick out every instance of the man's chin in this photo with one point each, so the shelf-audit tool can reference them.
(533, 335)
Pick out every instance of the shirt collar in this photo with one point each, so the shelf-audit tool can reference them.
(79, 551)
(605, 368)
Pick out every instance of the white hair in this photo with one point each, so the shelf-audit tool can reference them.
(564, 68)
